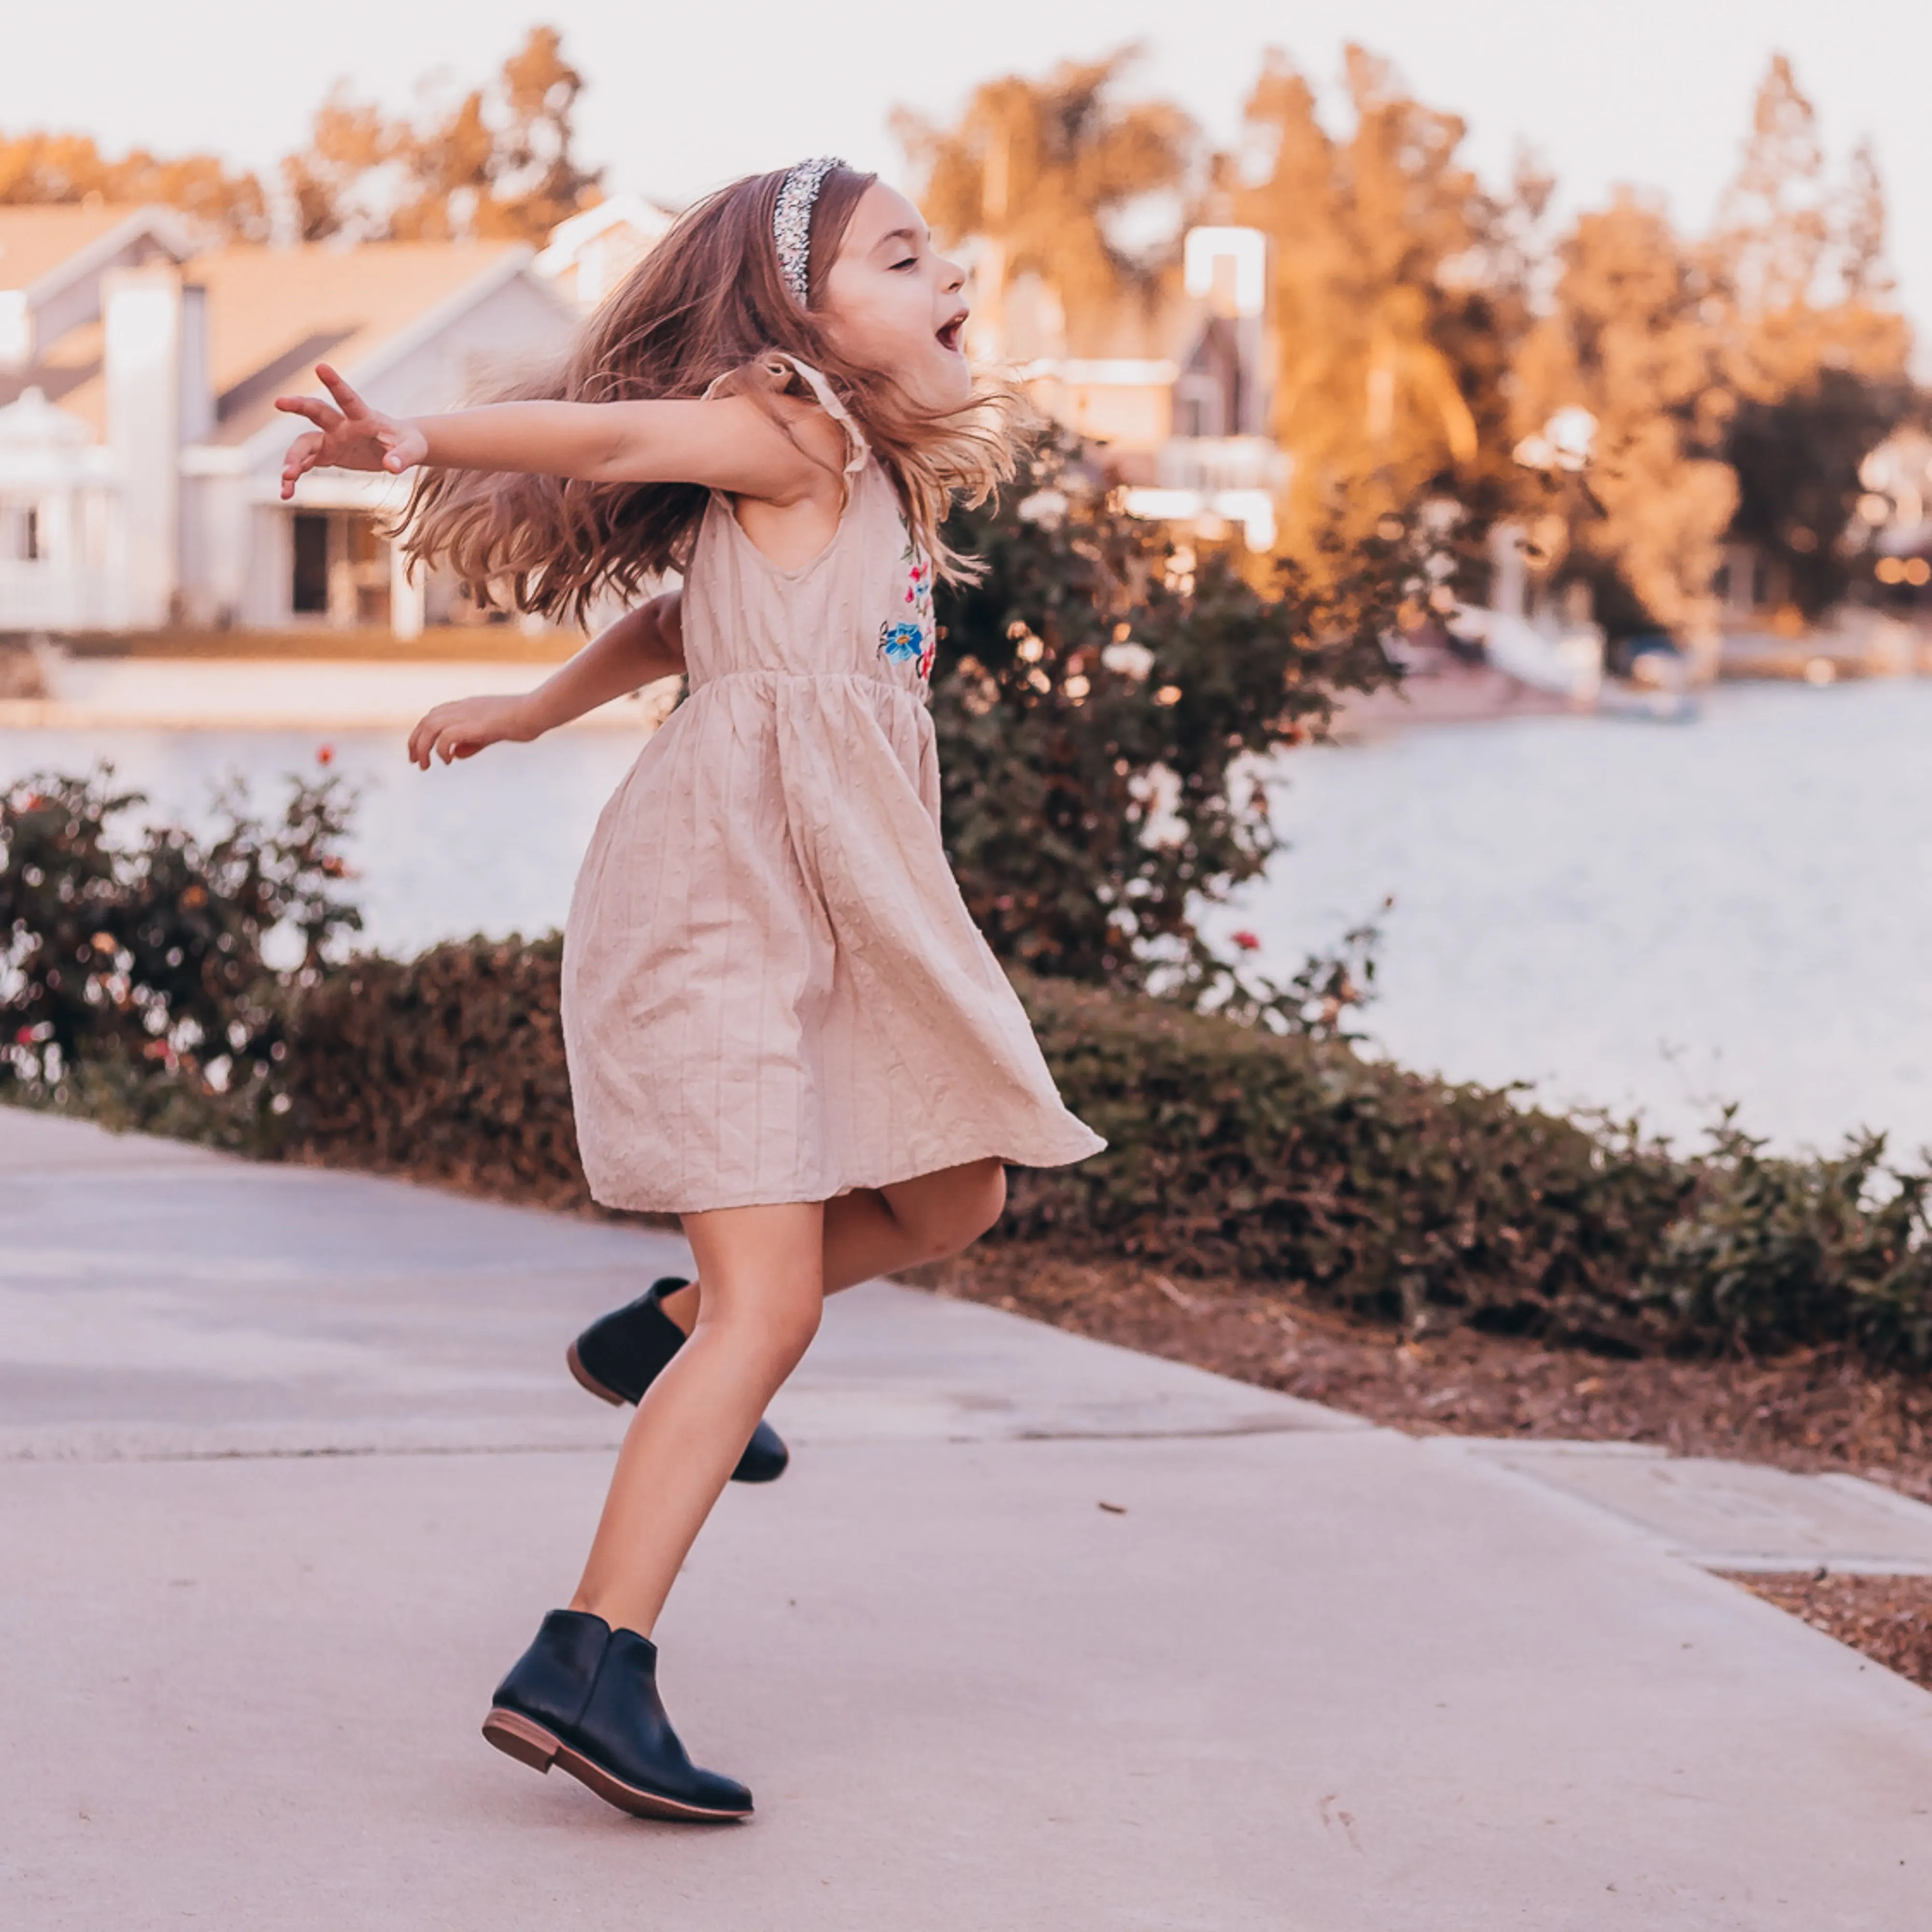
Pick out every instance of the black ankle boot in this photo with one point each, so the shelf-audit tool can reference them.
(620, 1354)
(584, 1697)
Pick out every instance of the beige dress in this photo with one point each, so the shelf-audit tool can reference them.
(773, 991)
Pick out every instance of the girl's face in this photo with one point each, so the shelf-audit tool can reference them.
(892, 301)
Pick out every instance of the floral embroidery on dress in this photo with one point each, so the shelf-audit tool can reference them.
(914, 634)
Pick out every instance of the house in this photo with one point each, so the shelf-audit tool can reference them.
(1175, 395)
(140, 449)
(1894, 514)
(591, 253)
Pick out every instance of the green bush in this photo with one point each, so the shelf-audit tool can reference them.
(449, 1068)
(1297, 1161)
(1099, 698)
(142, 948)
(134, 985)
(1769, 1251)
(1291, 1161)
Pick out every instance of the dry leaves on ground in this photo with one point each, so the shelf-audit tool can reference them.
(1886, 1619)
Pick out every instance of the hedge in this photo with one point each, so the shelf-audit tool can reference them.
(1298, 1164)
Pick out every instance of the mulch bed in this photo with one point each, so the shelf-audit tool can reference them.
(1811, 1411)
(1886, 1619)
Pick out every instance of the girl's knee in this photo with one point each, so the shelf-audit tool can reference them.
(776, 1329)
(991, 1201)
(972, 1204)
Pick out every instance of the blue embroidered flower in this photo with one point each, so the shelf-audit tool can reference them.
(913, 637)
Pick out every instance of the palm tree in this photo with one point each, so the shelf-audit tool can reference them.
(1036, 172)
(1365, 236)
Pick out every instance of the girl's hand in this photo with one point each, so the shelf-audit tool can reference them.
(461, 729)
(351, 436)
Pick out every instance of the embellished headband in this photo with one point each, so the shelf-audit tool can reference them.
(791, 221)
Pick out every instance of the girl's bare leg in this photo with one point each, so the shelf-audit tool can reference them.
(877, 1230)
(762, 1294)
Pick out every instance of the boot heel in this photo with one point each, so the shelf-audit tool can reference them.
(589, 1382)
(515, 1735)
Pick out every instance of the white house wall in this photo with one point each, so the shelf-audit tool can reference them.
(73, 304)
(217, 536)
(513, 332)
(513, 329)
(267, 568)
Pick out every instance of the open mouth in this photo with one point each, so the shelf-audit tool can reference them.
(949, 336)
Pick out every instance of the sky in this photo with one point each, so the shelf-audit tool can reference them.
(1655, 93)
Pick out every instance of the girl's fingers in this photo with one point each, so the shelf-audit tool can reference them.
(300, 459)
(350, 403)
(320, 413)
(437, 737)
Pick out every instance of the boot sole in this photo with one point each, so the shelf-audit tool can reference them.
(589, 1382)
(528, 1743)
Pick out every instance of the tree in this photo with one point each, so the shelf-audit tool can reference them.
(1629, 340)
(500, 163)
(1774, 228)
(1038, 173)
(329, 183)
(1095, 696)
(1813, 352)
(1396, 297)
(41, 169)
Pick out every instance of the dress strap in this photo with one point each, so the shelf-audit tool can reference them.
(780, 369)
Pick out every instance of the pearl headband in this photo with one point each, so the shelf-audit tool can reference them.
(791, 221)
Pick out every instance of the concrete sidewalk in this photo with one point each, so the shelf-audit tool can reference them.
(290, 1467)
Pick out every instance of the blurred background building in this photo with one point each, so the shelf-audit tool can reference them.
(140, 448)
(1690, 449)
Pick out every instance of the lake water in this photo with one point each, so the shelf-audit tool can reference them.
(1635, 915)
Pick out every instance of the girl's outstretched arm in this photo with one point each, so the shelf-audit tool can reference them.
(729, 443)
(642, 646)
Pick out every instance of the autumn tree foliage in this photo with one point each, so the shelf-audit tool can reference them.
(1424, 329)
(40, 169)
(1037, 174)
(500, 162)
(1629, 339)
(1396, 300)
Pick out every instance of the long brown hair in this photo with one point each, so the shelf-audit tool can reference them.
(709, 301)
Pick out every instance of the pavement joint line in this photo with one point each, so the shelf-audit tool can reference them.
(1497, 1453)
(1551, 1446)
(86, 1456)
(1772, 1565)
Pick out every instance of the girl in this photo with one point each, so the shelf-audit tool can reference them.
(781, 1023)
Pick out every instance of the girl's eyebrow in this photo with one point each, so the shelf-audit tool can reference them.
(910, 236)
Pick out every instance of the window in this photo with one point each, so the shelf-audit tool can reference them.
(309, 585)
(19, 533)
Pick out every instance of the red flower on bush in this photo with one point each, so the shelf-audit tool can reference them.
(1248, 942)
